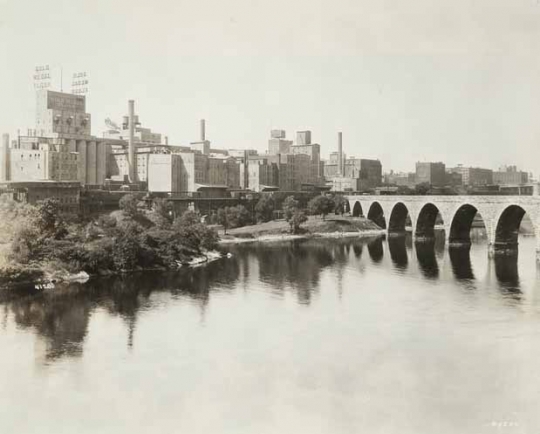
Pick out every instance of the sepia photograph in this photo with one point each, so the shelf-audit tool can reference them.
(270, 217)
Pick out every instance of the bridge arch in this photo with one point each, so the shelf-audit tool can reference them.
(426, 221)
(376, 214)
(398, 218)
(461, 224)
(357, 209)
(507, 227)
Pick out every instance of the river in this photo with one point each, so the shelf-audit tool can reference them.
(312, 336)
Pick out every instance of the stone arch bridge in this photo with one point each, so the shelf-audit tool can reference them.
(502, 216)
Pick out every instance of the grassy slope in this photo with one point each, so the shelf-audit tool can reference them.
(313, 225)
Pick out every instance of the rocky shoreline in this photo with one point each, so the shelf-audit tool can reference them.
(44, 279)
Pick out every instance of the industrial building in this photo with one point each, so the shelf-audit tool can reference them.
(60, 148)
(431, 173)
(66, 192)
(510, 175)
(473, 176)
(351, 174)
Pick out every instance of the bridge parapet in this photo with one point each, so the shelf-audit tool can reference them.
(501, 215)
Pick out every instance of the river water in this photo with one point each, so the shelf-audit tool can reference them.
(318, 336)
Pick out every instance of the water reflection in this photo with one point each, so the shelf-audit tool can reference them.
(375, 249)
(427, 261)
(357, 250)
(460, 260)
(62, 318)
(398, 252)
(61, 321)
(506, 271)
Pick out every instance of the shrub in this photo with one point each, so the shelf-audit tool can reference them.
(129, 204)
(340, 204)
(296, 220)
(264, 209)
(290, 205)
(321, 205)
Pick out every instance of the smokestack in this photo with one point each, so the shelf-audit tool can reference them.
(203, 130)
(131, 150)
(340, 154)
(4, 158)
(166, 141)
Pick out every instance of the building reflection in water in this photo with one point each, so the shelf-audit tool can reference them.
(297, 265)
(61, 317)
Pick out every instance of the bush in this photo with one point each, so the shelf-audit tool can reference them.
(233, 217)
(290, 205)
(296, 220)
(195, 234)
(129, 204)
(321, 205)
(161, 213)
(41, 237)
(264, 209)
(340, 204)
(126, 248)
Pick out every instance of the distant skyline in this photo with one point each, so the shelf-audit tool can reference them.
(422, 80)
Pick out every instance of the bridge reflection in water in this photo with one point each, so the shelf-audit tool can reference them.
(430, 255)
(61, 318)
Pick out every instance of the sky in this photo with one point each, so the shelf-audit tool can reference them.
(418, 80)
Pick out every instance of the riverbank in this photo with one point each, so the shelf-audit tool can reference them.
(50, 275)
(279, 230)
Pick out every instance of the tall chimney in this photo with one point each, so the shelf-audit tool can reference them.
(166, 140)
(203, 130)
(340, 154)
(4, 158)
(131, 150)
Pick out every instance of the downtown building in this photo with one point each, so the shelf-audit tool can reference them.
(510, 175)
(196, 169)
(286, 166)
(431, 173)
(344, 173)
(473, 176)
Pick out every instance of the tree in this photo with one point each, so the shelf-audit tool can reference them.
(290, 205)
(293, 214)
(321, 205)
(233, 217)
(223, 219)
(129, 204)
(340, 204)
(49, 219)
(297, 219)
(189, 218)
(126, 247)
(265, 208)
(161, 208)
(422, 189)
(403, 190)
